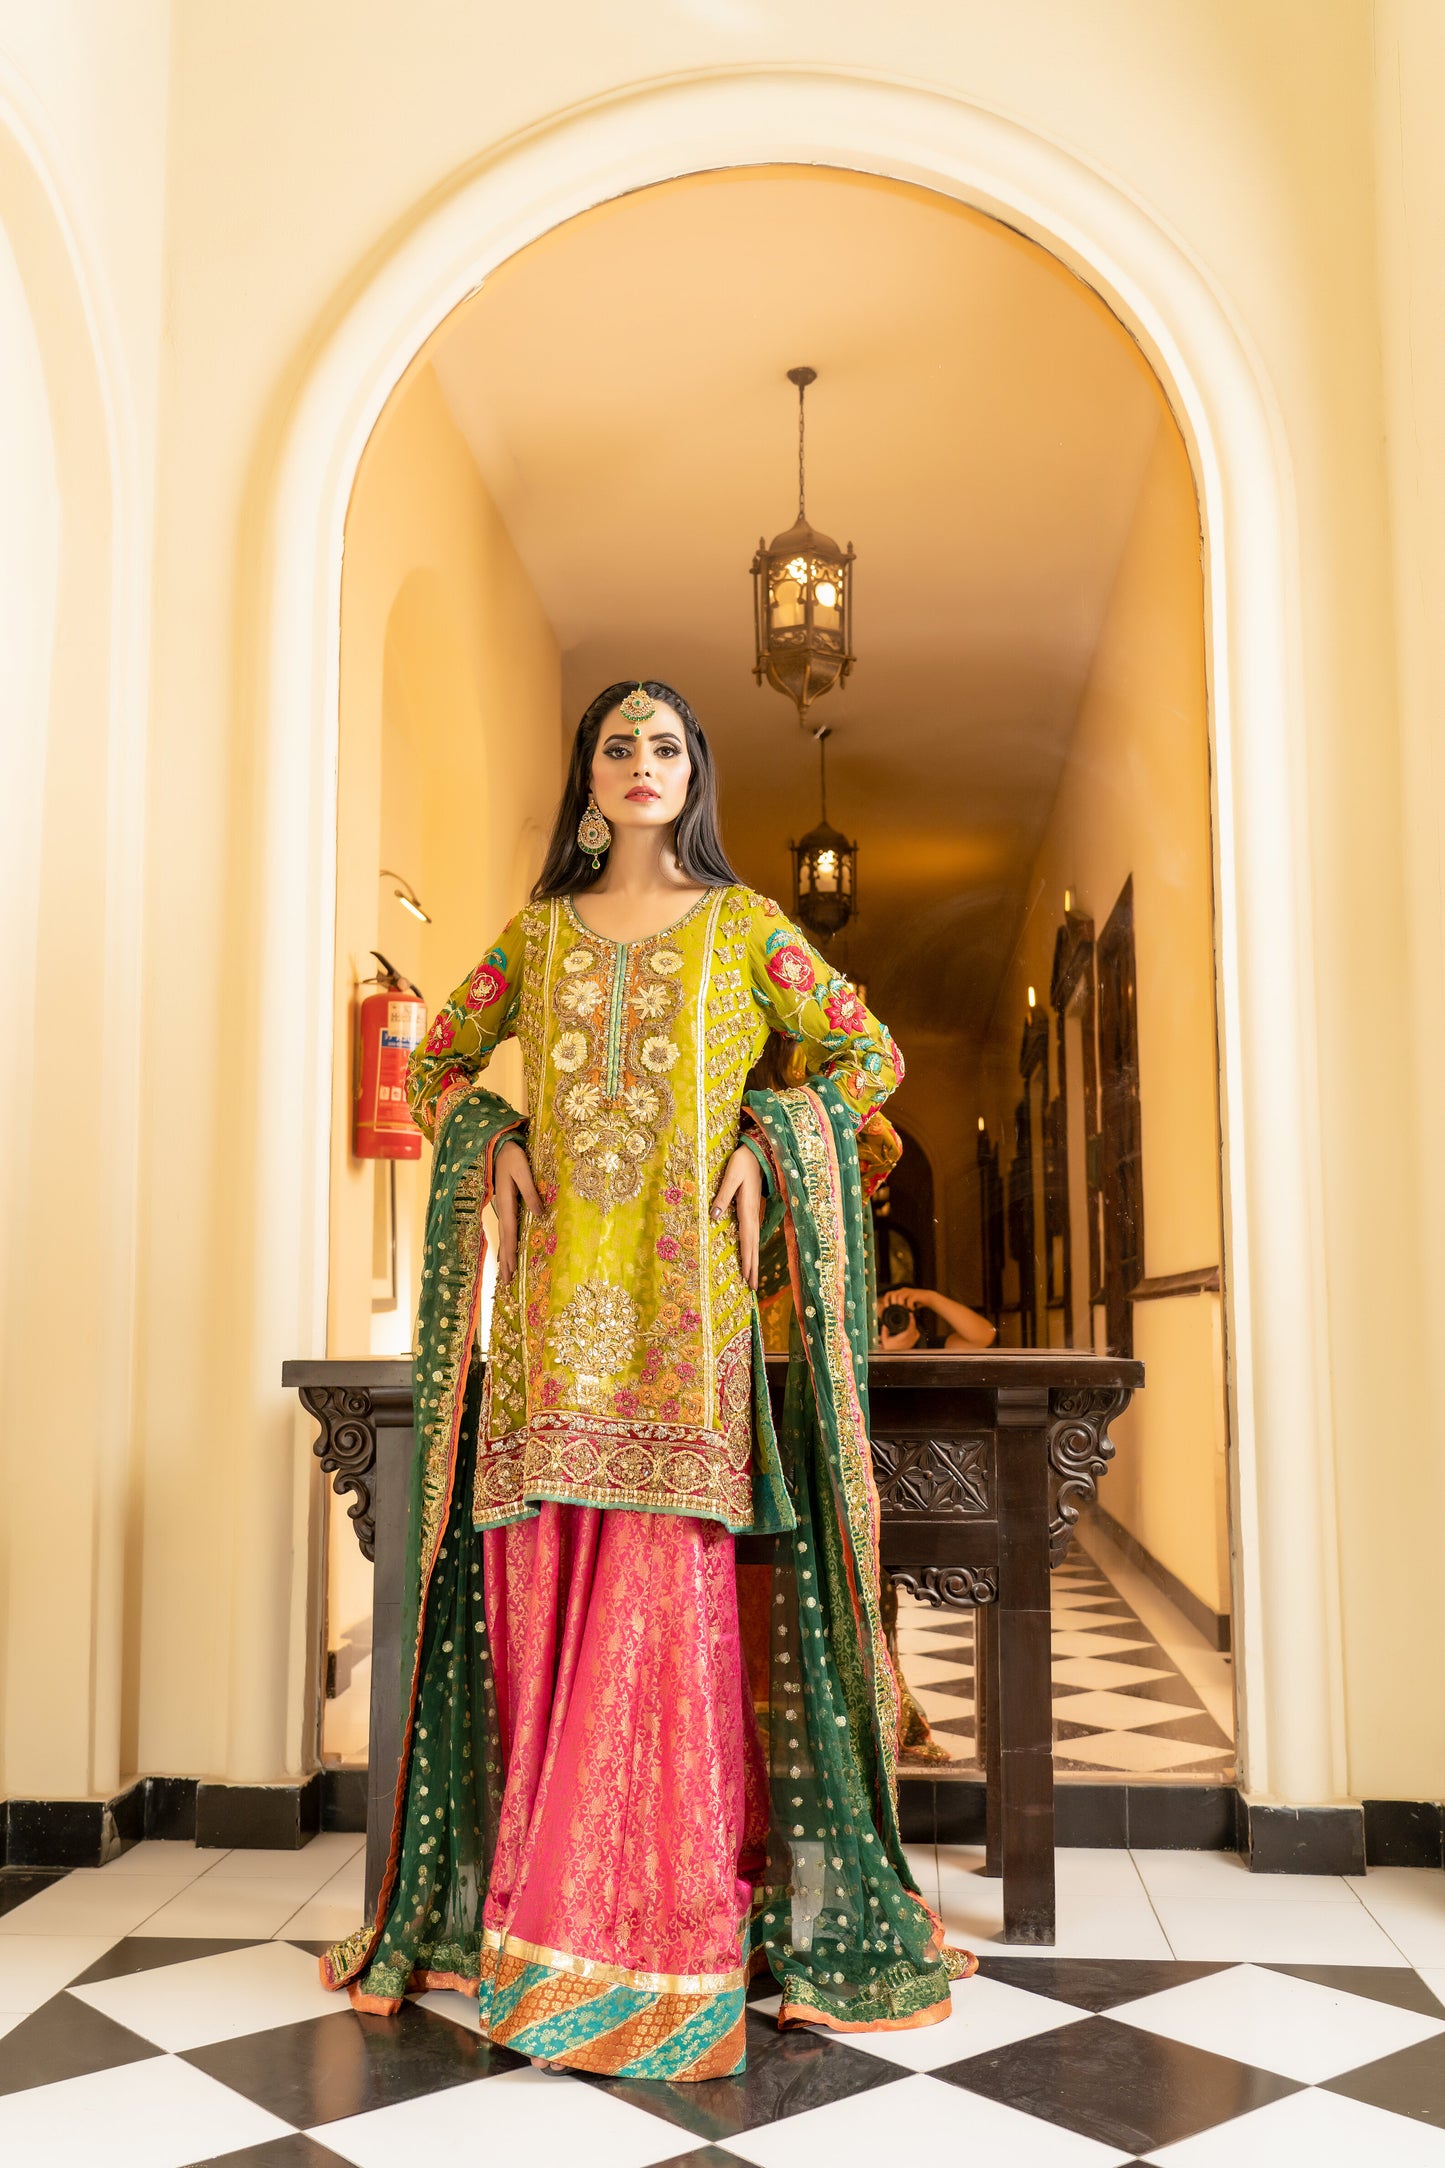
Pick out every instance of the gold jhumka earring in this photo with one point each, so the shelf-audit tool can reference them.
(593, 833)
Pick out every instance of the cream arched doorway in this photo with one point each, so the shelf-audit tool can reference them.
(1286, 1594)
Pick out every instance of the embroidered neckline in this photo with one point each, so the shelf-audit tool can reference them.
(642, 940)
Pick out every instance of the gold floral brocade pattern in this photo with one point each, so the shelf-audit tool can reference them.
(619, 1367)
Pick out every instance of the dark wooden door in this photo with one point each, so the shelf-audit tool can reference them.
(1120, 1125)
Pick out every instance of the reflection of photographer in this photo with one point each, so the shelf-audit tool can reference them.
(898, 1324)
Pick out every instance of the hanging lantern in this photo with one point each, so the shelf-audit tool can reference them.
(803, 600)
(825, 870)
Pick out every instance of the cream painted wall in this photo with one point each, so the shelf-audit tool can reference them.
(1134, 800)
(82, 207)
(1292, 150)
(450, 767)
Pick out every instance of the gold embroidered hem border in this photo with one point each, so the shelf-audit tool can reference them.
(591, 1968)
(609, 1461)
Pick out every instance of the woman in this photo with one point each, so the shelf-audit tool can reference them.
(588, 1833)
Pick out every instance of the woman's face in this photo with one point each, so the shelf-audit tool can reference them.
(640, 772)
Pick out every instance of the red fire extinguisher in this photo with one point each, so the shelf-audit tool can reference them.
(389, 1026)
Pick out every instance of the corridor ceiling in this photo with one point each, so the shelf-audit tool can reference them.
(979, 430)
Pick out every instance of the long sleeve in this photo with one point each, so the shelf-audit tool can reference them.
(471, 1024)
(801, 996)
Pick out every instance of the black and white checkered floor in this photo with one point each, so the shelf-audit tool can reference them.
(1122, 1706)
(165, 2010)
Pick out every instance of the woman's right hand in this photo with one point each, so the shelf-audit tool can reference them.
(512, 1175)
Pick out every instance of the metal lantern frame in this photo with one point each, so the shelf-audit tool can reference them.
(804, 642)
(824, 910)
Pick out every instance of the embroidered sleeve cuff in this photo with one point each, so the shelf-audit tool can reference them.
(769, 1183)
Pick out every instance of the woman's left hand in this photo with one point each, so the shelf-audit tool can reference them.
(742, 1183)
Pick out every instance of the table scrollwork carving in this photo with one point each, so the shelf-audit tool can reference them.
(1080, 1450)
(959, 1588)
(346, 1449)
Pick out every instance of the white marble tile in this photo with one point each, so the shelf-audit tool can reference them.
(921, 1670)
(1102, 1909)
(923, 1859)
(1107, 1671)
(35, 1967)
(222, 1997)
(449, 2002)
(1207, 1877)
(243, 1909)
(90, 1902)
(987, 2014)
(159, 2113)
(1141, 1754)
(1409, 1903)
(1434, 1978)
(1292, 1932)
(1310, 2130)
(919, 2118)
(1275, 2022)
(1101, 1642)
(305, 1868)
(525, 2115)
(1111, 1711)
(322, 1919)
(161, 1860)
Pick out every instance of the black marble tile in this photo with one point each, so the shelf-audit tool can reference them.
(65, 2038)
(1094, 1983)
(1183, 1817)
(917, 1814)
(259, 1817)
(171, 1809)
(1404, 1832)
(1116, 2084)
(147, 1953)
(1395, 1984)
(788, 2073)
(295, 2151)
(17, 1884)
(1305, 1840)
(55, 1832)
(1091, 1814)
(959, 1806)
(343, 1798)
(1411, 2083)
(349, 2062)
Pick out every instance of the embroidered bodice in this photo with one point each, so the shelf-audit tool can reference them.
(620, 1369)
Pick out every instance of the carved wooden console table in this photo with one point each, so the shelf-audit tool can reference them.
(983, 1463)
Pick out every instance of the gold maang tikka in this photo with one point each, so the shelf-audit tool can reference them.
(636, 709)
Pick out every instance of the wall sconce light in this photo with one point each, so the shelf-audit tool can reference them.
(1032, 1001)
(406, 896)
(982, 1125)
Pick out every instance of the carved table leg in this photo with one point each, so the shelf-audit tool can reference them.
(1025, 1706)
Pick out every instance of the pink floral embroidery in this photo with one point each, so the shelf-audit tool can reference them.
(668, 1411)
(667, 1246)
(488, 986)
(844, 1010)
(551, 1392)
(895, 1055)
(789, 966)
(691, 1319)
(442, 1033)
(624, 1401)
(686, 1373)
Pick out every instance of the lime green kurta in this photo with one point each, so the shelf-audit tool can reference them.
(620, 1371)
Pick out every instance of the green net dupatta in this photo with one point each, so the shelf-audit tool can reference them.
(846, 1933)
(428, 1925)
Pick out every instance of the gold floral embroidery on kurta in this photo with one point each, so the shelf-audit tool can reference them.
(620, 1368)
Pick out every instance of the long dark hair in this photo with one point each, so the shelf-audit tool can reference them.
(697, 842)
